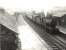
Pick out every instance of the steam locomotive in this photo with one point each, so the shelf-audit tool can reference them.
(49, 23)
(52, 22)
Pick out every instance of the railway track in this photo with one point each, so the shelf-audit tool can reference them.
(51, 40)
(55, 43)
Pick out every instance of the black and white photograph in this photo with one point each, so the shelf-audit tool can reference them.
(32, 24)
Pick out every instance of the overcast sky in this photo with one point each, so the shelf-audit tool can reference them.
(18, 5)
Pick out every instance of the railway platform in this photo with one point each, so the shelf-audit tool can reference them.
(30, 40)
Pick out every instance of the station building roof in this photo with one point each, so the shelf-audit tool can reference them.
(8, 21)
(58, 12)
